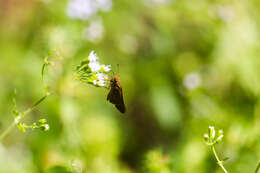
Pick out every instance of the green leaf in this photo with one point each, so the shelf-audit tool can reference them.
(15, 112)
(225, 159)
(58, 169)
(42, 120)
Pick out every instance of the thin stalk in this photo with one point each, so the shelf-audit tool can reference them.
(220, 163)
(257, 168)
(20, 117)
(7, 130)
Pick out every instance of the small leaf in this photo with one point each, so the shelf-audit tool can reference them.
(42, 120)
(21, 127)
(225, 159)
(15, 112)
(39, 101)
(43, 67)
(45, 64)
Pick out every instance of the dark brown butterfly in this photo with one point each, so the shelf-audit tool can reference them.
(115, 95)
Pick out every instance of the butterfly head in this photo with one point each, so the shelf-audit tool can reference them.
(115, 81)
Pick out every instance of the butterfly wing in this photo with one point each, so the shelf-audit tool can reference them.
(115, 96)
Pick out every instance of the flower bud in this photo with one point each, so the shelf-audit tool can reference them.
(212, 133)
(220, 132)
(219, 139)
(206, 137)
(45, 127)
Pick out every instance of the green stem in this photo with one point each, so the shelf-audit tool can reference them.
(257, 168)
(7, 130)
(220, 163)
(20, 117)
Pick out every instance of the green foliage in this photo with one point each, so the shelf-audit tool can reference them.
(155, 162)
(18, 116)
(58, 169)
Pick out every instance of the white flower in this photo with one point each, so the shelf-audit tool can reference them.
(101, 79)
(206, 136)
(47, 127)
(106, 68)
(101, 83)
(192, 81)
(92, 56)
(94, 32)
(85, 9)
(94, 66)
(104, 5)
(100, 76)
(81, 9)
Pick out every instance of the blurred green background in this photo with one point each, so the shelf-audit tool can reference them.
(184, 65)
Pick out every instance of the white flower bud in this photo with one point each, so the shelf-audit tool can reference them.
(219, 139)
(206, 137)
(212, 133)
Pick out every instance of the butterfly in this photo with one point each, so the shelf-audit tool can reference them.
(115, 95)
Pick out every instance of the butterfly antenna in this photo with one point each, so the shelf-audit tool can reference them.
(117, 68)
(113, 72)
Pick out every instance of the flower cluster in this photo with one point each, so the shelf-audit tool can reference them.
(40, 124)
(92, 72)
(211, 138)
